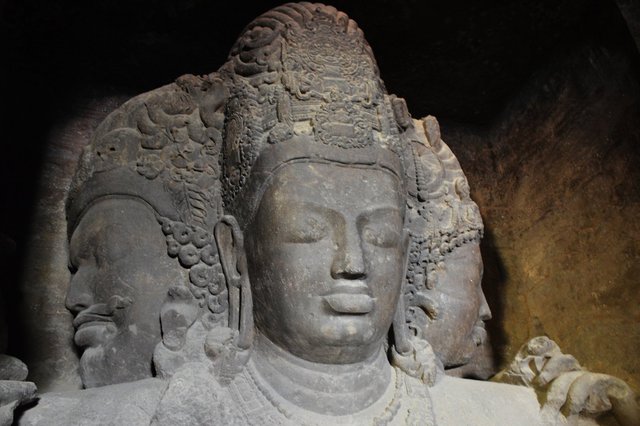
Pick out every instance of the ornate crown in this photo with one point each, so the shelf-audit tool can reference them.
(302, 70)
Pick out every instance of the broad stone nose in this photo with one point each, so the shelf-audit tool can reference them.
(80, 293)
(348, 262)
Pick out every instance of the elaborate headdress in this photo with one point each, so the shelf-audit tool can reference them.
(304, 85)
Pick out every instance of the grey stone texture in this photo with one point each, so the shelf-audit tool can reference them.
(261, 216)
(475, 67)
(130, 403)
(14, 390)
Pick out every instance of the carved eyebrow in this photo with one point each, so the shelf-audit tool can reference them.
(384, 210)
(313, 206)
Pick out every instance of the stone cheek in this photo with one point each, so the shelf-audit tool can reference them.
(120, 279)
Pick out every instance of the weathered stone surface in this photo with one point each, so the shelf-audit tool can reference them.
(566, 390)
(463, 67)
(328, 188)
(12, 368)
(465, 402)
(123, 404)
(562, 244)
(313, 100)
(14, 393)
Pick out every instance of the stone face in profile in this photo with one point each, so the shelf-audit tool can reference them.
(140, 219)
(445, 303)
(120, 278)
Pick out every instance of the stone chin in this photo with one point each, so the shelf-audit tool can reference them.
(92, 368)
(94, 335)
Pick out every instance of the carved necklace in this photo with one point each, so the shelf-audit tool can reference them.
(382, 417)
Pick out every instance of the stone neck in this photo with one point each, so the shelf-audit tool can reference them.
(330, 389)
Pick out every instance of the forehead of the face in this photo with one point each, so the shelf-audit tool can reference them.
(107, 220)
(464, 262)
(350, 189)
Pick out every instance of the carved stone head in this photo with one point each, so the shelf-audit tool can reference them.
(321, 186)
(313, 174)
(309, 128)
(140, 220)
(444, 299)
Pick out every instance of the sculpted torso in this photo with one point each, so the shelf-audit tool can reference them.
(277, 243)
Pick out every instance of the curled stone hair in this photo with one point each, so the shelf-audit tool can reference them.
(301, 71)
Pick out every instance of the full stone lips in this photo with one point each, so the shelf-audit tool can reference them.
(95, 323)
(350, 298)
(92, 328)
(88, 319)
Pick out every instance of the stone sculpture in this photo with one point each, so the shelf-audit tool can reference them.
(310, 134)
(310, 217)
(14, 390)
(140, 219)
(571, 393)
(445, 303)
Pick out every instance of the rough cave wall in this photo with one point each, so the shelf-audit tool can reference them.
(562, 248)
(538, 99)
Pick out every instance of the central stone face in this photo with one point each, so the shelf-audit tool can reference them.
(325, 253)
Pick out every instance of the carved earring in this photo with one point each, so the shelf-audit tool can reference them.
(234, 266)
(229, 347)
(400, 336)
(412, 354)
(401, 339)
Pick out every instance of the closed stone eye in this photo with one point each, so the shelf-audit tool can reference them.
(380, 236)
(309, 230)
